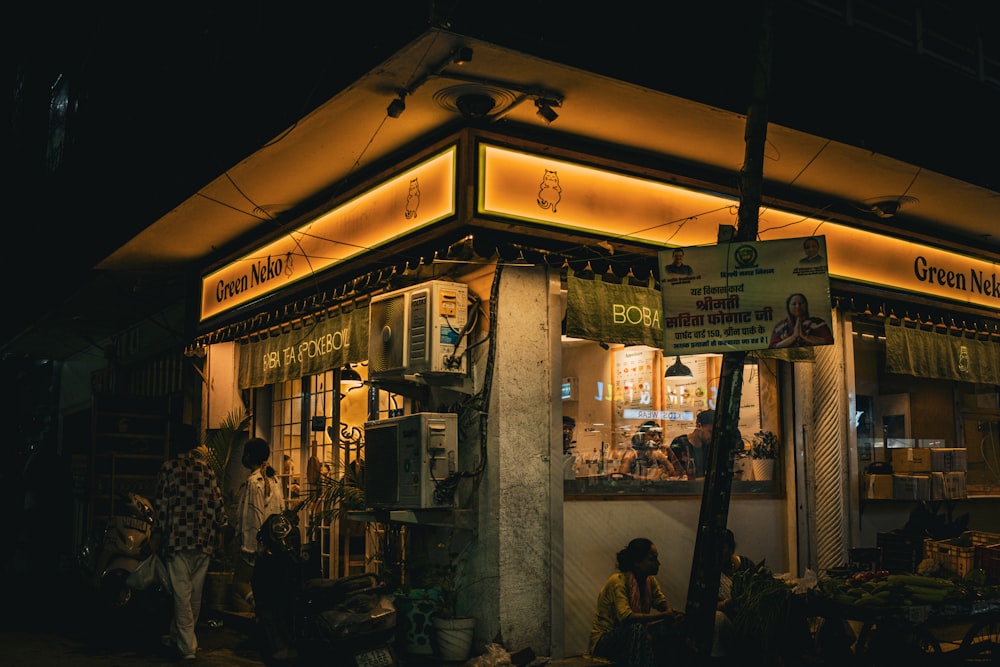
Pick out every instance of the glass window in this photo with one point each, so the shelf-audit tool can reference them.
(631, 427)
(921, 438)
(305, 444)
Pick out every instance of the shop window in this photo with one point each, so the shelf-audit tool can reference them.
(908, 424)
(306, 440)
(623, 407)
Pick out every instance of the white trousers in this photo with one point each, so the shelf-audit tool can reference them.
(187, 570)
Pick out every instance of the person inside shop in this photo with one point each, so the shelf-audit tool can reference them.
(569, 434)
(259, 497)
(730, 563)
(799, 327)
(187, 532)
(288, 470)
(811, 248)
(690, 448)
(634, 624)
(678, 267)
(646, 459)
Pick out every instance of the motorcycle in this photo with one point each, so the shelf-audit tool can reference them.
(315, 618)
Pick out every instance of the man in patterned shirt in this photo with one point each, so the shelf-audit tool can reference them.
(190, 514)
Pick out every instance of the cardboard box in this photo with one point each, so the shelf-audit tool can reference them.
(949, 459)
(911, 459)
(878, 487)
(911, 487)
(948, 485)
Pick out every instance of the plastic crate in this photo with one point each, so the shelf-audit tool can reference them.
(901, 552)
(958, 554)
(988, 560)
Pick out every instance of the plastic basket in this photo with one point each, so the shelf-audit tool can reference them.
(900, 552)
(988, 560)
(958, 554)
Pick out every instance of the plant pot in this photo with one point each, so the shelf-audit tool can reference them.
(453, 637)
(216, 593)
(414, 613)
(763, 469)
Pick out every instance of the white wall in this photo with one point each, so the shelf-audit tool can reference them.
(596, 530)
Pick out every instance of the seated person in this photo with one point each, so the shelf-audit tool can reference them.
(634, 625)
(730, 563)
(647, 459)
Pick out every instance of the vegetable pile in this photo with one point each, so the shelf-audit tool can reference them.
(883, 589)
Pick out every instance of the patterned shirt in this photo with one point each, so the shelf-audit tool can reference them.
(189, 506)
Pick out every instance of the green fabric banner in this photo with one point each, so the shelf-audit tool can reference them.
(328, 344)
(613, 312)
(941, 355)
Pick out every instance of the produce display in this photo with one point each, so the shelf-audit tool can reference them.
(884, 589)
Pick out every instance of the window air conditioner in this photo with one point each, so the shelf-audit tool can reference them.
(407, 459)
(418, 330)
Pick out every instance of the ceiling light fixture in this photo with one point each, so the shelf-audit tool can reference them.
(678, 370)
(888, 207)
(545, 109)
(350, 380)
(475, 105)
(397, 106)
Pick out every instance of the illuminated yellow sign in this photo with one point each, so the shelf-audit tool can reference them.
(557, 193)
(403, 204)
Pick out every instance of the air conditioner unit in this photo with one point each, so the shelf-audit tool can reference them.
(407, 458)
(418, 330)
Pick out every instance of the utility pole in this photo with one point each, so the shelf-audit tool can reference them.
(703, 587)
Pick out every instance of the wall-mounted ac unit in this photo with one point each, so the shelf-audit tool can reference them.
(407, 459)
(418, 330)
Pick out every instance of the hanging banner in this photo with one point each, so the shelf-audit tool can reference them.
(325, 345)
(611, 312)
(944, 356)
(745, 296)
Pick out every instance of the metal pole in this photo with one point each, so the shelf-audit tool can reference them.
(703, 585)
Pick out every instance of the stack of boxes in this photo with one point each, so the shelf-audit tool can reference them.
(933, 473)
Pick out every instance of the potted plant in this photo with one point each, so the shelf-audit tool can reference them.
(430, 602)
(453, 632)
(763, 452)
(219, 445)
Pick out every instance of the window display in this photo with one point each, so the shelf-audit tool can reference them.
(642, 421)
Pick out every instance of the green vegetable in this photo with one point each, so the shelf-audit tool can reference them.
(920, 580)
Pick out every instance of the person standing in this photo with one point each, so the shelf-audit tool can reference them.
(260, 496)
(190, 514)
(690, 447)
(634, 624)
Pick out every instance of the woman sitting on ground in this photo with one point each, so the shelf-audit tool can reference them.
(634, 625)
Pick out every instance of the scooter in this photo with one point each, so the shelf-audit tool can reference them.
(124, 545)
(121, 613)
(314, 618)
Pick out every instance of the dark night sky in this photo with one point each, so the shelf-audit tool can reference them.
(171, 96)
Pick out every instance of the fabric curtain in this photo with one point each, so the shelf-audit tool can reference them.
(945, 356)
(613, 312)
(325, 345)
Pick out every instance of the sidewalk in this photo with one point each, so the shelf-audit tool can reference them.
(39, 644)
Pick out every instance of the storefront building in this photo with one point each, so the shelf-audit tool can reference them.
(499, 357)
(513, 277)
